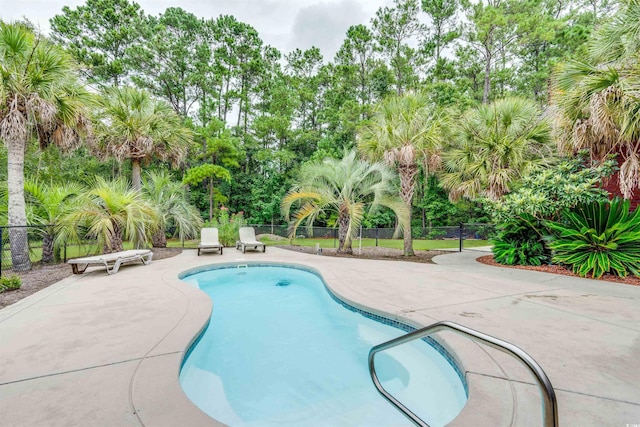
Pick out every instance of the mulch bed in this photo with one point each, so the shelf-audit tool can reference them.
(42, 276)
(558, 269)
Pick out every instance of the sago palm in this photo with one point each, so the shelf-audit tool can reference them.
(598, 238)
(404, 133)
(597, 98)
(346, 187)
(134, 125)
(493, 146)
(47, 203)
(42, 99)
(109, 212)
(175, 210)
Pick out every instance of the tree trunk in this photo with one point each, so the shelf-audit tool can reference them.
(344, 241)
(210, 199)
(226, 99)
(239, 113)
(240, 102)
(115, 241)
(487, 79)
(136, 174)
(16, 210)
(407, 174)
(47, 249)
(246, 118)
(159, 239)
(422, 192)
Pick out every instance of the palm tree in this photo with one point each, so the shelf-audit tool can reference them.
(169, 198)
(40, 98)
(133, 125)
(48, 203)
(110, 211)
(404, 133)
(493, 146)
(597, 99)
(344, 186)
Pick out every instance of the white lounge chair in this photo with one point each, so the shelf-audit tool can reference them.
(111, 261)
(209, 240)
(248, 239)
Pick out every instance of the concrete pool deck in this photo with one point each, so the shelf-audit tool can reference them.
(99, 350)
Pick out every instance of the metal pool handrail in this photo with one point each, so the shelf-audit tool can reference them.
(549, 402)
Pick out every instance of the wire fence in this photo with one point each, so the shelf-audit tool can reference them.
(473, 236)
(27, 245)
(23, 246)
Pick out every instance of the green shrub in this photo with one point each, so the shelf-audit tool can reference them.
(545, 193)
(228, 226)
(429, 233)
(518, 243)
(598, 238)
(10, 283)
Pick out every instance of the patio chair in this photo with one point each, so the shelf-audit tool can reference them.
(209, 240)
(112, 261)
(248, 239)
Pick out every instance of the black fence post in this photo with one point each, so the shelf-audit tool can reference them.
(461, 235)
(334, 238)
(65, 252)
(377, 235)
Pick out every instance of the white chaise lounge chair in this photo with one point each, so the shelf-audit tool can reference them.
(209, 240)
(248, 240)
(111, 261)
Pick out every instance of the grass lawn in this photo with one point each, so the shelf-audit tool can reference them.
(187, 243)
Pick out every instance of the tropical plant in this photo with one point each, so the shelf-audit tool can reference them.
(175, 211)
(404, 133)
(545, 192)
(597, 98)
(518, 242)
(10, 283)
(542, 195)
(494, 146)
(343, 186)
(133, 125)
(40, 98)
(598, 238)
(47, 203)
(228, 226)
(109, 212)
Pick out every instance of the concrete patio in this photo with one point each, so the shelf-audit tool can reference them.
(99, 350)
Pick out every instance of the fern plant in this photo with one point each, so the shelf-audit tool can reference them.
(598, 238)
(518, 243)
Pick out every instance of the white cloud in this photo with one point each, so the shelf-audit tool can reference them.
(284, 24)
(324, 25)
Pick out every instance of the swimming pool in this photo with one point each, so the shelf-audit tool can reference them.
(280, 351)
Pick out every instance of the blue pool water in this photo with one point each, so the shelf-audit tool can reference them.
(279, 351)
